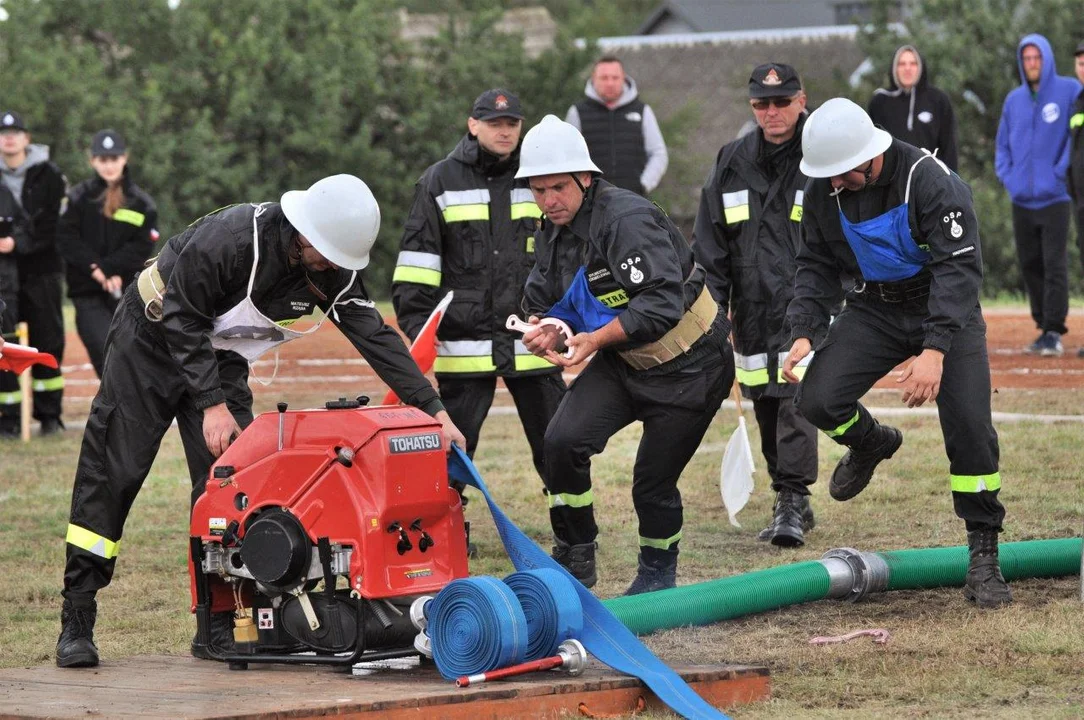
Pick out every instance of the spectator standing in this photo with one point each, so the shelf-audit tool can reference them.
(1032, 162)
(105, 234)
(1076, 161)
(620, 129)
(913, 110)
(746, 237)
(38, 187)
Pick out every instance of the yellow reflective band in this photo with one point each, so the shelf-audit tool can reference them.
(752, 377)
(530, 243)
(10, 398)
(799, 372)
(660, 544)
(464, 213)
(570, 500)
(796, 213)
(842, 428)
(421, 276)
(736, 214)
(463, 364)
(532, 362)
(525, 210)
(49, 385)
(131, 217)
(613, 299)
(92, 542)
(975, 483)
(1076, 121)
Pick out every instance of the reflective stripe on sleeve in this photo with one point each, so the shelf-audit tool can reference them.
(418, 267)
(49, 384)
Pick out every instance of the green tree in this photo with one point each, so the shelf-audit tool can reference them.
(969, 47)
(227, 102)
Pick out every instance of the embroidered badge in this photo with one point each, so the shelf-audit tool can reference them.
(952, 224)
(634, 274)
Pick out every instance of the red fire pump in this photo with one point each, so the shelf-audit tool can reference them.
(319, 529)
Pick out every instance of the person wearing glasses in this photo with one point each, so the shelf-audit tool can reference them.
(746, 237)
(895, 217)
(105, 234)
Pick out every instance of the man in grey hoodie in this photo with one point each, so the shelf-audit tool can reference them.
(38, 188)
(622, 133)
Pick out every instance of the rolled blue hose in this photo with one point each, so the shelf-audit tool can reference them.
(476, 624)
(552, 607)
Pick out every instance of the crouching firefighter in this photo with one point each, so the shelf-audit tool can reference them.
(616, 269)
(895, 217)
(234, 285)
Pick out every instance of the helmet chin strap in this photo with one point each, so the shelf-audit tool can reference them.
(576, 179)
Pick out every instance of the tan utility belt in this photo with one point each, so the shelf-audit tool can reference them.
(151, 288)
(694, 324)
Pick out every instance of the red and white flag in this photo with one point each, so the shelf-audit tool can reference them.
(424, 347)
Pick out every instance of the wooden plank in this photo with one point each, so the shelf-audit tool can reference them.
(172, 687)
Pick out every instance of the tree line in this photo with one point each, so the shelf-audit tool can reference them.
(227, 102)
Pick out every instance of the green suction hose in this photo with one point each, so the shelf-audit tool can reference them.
(843, 573)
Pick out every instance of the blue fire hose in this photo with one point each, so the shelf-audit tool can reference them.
(603, 635)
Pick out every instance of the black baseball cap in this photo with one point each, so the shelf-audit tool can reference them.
(11, 120)
(774, 80)
(496, 103)
(1079, 49)
(107, 142)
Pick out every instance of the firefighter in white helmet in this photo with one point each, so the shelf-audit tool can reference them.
(234, 285)
(616, 269)
(902, 224)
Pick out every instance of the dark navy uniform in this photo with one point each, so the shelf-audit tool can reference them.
(917, 289)
(746, 237)
(634, 262)
(156, 372)
(471, 231)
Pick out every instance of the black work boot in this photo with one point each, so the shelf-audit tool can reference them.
(655, 570)
(855, 470)
(788, 525)
(75, 647)
(221, 636)
(985, 585)
(806, 509)
(578, 560)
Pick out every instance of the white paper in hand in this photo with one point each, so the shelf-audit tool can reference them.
(736, 473)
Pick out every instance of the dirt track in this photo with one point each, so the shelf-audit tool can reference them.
(327, 365)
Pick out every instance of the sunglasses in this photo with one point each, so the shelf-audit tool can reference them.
(778, 102)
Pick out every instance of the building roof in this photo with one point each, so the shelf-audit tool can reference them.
(724, 15)
(698, 87)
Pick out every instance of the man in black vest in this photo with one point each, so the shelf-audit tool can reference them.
(621, 130)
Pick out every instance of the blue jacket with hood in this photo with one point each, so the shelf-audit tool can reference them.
(1032, 159)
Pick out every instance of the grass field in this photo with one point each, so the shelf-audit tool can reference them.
(946, 659)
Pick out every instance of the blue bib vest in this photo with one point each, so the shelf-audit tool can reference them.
(884, 247)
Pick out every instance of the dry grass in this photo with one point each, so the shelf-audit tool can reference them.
(946, 659)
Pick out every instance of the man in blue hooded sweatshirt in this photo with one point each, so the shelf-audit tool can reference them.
(1032, 162)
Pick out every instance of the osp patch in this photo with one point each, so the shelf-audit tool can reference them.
(952, 224)
(634, 270)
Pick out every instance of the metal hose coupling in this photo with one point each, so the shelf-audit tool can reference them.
(853, 575)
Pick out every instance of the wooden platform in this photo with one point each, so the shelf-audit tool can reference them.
(182, 687)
